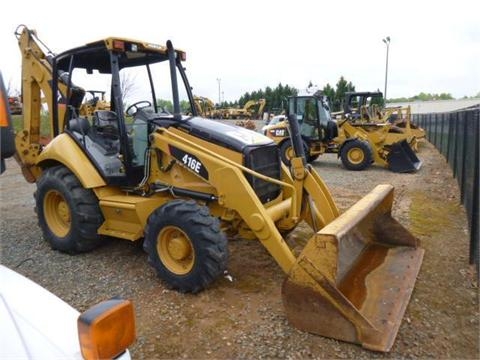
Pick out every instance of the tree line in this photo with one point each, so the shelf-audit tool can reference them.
(423, 97)
(276, 97)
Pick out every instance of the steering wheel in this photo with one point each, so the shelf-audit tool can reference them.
(136, 106)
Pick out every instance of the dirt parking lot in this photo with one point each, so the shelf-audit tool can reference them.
(244, 318)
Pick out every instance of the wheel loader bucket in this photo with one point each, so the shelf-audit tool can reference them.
(402, 158)
(354, 278)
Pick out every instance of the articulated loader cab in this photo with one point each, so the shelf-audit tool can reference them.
(363, 106)
(155, 171)
(317, 129)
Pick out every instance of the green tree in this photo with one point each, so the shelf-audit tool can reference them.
(165, 104)
(342, 87)
(329, 92)
(337, 96)
(377, 100)
(275, 98)
(423, 97)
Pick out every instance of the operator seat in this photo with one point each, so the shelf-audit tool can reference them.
(105, 123)
(79, 125)
(105, 131)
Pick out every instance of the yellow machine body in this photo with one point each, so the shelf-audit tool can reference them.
(353, 279)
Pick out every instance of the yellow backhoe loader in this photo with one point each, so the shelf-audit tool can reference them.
(204, 106)
(96, 101)
(357, 147)
(246, 112)
(182, 183)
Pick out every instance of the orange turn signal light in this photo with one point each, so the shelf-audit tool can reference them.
(3, 112)
(106, 329)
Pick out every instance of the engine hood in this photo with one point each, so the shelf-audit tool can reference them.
(231, 136)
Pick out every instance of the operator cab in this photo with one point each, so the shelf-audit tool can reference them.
(313, 115)
(141, 80)
(362, 106)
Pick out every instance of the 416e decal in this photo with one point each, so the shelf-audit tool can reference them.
(190, 161)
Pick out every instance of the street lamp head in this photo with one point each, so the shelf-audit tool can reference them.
(386, 40)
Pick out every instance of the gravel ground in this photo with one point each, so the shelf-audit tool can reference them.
(244, 318)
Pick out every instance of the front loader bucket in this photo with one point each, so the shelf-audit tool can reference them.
(402, 158)
(354, 278)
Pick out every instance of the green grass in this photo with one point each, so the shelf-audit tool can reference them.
(17, 123)
(430, 215)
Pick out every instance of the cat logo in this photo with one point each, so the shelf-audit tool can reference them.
(280, 133)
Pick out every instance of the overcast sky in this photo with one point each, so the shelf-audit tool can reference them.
(248, 45)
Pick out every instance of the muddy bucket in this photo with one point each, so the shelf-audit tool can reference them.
(402, 158)
(354, 278)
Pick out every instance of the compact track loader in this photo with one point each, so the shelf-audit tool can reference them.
(357, 145)
(182, 183)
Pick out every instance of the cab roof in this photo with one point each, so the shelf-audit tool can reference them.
(96, 55)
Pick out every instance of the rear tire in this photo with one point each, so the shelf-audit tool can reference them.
(356, 155)
(68, 214)
(185, 245)
(287, 153)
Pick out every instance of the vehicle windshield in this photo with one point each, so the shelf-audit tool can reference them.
(136, 87)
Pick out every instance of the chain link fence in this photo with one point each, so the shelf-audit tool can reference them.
(456, 135)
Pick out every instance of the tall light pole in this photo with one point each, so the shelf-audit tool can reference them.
(387, 42)
(219, 98)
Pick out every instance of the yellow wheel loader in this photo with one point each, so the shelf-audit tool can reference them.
(363, 110)
(357, 146)
(182, 183)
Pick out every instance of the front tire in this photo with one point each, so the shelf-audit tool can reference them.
(68, 214)
(356, 155)
(185, 245)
